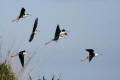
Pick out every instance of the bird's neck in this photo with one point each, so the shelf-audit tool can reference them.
(25, 53)
(26, 15)
(96, 54)
(63, 33)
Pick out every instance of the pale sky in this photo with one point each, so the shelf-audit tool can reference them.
(93, 24)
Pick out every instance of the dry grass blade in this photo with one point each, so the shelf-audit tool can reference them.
(28, 75)
(0, 51)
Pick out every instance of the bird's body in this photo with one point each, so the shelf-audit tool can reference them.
(22, 15)
(21, 57)
(91, 54)
(59, 34)
(34, 31)
(57, 38)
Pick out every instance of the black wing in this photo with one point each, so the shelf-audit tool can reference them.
(33, 31)
(21, 57)
(35, 24)
(31, 37)
(90, 57)
(91, 51)
(57, 31)
(22, 12)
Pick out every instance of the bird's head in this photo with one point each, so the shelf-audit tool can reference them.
(96, 54)
(25, 52)
(63, 32)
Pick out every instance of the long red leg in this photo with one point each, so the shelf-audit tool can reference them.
(48, 42)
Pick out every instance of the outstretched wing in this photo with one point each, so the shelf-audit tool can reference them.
(21, 57)
(90, 57)
(31, 37)
(35, 24)
(57, 31)
(22, 12)
(91, 51)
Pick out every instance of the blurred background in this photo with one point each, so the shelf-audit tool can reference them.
(90, 24)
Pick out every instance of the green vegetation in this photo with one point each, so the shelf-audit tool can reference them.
(6, 69)
(6, 73)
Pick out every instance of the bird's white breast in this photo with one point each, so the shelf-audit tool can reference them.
(35, 31)
(62, 33)
(25, 53)
(96, 54)
(25, 16)
(60, 37)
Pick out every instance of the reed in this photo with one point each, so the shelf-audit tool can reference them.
(6, 72)
(7, 68)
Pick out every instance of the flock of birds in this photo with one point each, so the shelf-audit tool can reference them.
(59, 34)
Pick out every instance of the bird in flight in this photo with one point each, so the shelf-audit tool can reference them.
(34, 31)
(91, 55)
(22, 15)
(59, 34)
(21, 56)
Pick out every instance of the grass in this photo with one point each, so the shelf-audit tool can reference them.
(7, 67)
(6, 73)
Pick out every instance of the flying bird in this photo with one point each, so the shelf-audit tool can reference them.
(59, 34)
(91, 55)
(22, 15)
(21, 56)
(34, 31)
